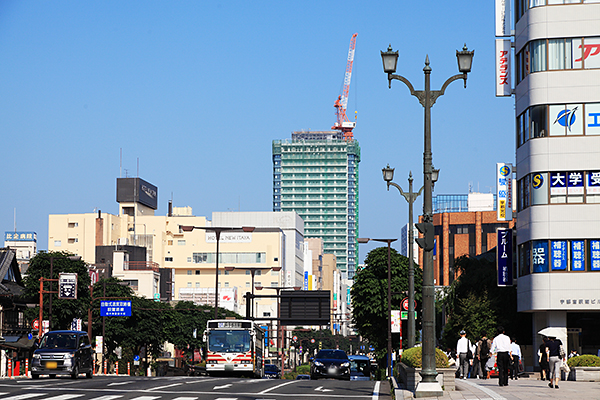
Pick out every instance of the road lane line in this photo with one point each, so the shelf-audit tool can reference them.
(64, 397)
(24, 396)
(107, 398)
(165, 386)
(376, 390)
(119, 383)
(185, 398)
(277, 387)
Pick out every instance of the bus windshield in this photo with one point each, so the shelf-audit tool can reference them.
(229, 341)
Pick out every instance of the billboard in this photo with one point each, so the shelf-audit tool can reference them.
(503, 58)
(137, 190)
(305, 307)
(503, 18)
(504, 191)
(20, 237)
(504, 256)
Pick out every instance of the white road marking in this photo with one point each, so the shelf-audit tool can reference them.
(64, 397)
(376, 390)
(166, 386)
(146, 398)
(490, 392)
(222, 386)
(185, 398)
(119, 383)
(320, 388)
(107, 398)
(24, 396)
(276, 387)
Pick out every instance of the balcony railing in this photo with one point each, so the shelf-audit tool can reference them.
(141, 266)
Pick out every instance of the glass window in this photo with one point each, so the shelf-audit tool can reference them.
(536, 3)
(538, 55)
(539, 256)
(538, 121)
(592, 187)
(558, 187)
(559, 54)
(577, 255)
(57, 243)
(181, 242)
(591, 52)
(559, 255)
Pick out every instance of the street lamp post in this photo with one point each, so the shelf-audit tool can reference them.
(389, 305)
(217, 230)
(252, 273)
(388, 176)
(428, 387)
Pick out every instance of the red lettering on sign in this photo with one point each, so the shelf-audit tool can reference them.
(587, 51)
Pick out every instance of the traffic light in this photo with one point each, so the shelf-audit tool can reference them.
(427, 241)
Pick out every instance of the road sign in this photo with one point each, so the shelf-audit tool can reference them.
(295, 338)
(405, 304)
(67, 286)
(115, 308)
(404, 315)
(35, 324)
(312, 340)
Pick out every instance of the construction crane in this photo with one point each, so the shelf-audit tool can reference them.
(343, 124)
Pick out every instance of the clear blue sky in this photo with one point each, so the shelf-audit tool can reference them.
(197, 91)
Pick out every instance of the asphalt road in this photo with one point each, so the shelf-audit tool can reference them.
(189, 388)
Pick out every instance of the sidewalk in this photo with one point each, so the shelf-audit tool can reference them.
(521, 389)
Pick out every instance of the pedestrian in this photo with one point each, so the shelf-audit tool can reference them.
(543, 360)
(483, 355)
(573, 353)
(501, 347)
(463, 346)
(555, 359)
(516, 356)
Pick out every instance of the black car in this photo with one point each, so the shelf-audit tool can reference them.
(63, 353)
(272, 371)
(330, 364)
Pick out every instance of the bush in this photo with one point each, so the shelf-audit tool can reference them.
(303, 369)
(413, 358)
(586, 360)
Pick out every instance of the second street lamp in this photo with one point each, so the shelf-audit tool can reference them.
(428, 387)
(389, 295)
(388, 176)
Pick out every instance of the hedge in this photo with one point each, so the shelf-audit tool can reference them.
(412, 357)
(586, 360)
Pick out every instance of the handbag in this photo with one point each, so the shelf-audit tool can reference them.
(565, 367)
(562, 352)
(469, 352)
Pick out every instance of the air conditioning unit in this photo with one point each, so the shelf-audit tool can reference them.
(123, 241)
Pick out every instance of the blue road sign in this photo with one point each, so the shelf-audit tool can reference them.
(115, 308)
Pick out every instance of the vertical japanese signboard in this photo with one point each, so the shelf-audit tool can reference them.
(504, 256)
(502, 18)
(396, 322)
(503, 54)
(504, 191)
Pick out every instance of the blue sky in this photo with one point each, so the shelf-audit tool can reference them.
(197, 90)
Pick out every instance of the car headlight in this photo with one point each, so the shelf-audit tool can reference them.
(318, 363)
(346, 364)
(36, 356)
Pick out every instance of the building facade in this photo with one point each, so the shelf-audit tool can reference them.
(316, 175)
(557, 98)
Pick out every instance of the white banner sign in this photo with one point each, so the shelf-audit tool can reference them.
(503, 54)
(502, 18)
(504, 206)
(396, 322)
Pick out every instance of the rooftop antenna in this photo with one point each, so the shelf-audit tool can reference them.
(120, 162)
(138, 167)
(15, 219)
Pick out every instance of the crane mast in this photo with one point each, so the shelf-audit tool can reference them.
(342, 122)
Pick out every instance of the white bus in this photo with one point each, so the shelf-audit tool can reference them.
(234, 346)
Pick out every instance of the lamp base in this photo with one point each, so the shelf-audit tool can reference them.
(428, 389)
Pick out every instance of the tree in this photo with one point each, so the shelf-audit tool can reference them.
(370, 300)
(478, 305)
(63, 311)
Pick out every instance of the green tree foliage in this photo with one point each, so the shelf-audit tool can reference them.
(63, 311)
(478, 305)
(370, 300)
(325, 339)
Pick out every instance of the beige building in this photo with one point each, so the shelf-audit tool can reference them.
(267, 255)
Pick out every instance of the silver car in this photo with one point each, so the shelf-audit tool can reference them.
(63, 353)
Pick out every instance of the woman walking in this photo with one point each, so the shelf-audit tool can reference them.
(554, 359)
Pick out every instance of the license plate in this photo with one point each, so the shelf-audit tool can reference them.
(51, 365)
(332, 370)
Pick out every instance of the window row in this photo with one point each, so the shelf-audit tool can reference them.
(230, 258)
(556, 54)
(539, 256)
(522, 6)
(558, 120)
(542, 188)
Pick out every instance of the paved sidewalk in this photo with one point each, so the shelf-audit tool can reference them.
(521, 389)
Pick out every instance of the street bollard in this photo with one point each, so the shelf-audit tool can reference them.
(128, 368)
(26, 367)
(10, 368)
(105, 365)
(117, 367)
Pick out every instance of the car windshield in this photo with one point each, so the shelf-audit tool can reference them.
(59, 341)
(270, 368)
(361, 367)
(332, 355)
(229, 341)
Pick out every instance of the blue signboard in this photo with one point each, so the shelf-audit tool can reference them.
(559, 255)
(266, 328)
(577, 255)
(504, 256)
(20, 236)
(595, 255)
(305, 280)
(539, 256)
(115, 308)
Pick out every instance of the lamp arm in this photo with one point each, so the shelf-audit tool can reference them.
(406, 195)
(437, 93)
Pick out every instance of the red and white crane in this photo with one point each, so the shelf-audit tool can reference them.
(343, 123)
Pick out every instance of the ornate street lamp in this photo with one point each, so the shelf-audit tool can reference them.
(428, 387)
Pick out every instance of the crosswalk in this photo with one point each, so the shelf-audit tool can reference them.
(48, 396)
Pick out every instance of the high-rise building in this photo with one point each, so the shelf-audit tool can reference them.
(557, 108)
(316, 175)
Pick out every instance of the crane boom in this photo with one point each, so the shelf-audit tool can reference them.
(342, 123)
